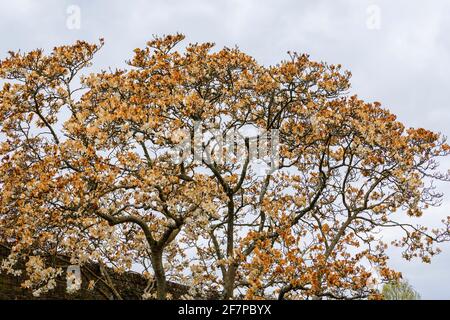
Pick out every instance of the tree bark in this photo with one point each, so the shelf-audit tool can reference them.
(231, 271)
(160, 276)
(229, 282)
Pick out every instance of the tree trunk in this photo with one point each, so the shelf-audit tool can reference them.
(231, 271)
(160, 276)
(229, 282)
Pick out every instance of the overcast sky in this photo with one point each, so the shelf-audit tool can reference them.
(398, 52)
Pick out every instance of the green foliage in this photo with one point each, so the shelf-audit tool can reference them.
(400, 290)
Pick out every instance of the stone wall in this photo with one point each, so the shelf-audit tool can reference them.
(128, 285)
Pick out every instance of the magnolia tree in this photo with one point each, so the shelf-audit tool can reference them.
(208, 169)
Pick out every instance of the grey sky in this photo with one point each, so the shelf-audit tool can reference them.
(404, 63)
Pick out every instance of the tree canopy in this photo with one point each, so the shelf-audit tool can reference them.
(88, 170)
